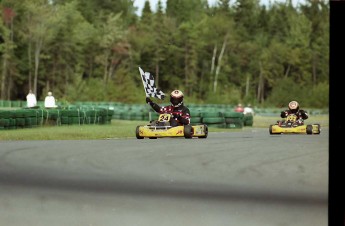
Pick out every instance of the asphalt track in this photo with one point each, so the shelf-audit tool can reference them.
(247, 178)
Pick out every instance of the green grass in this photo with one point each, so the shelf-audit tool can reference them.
(118, 129)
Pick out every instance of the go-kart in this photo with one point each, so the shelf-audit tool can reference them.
(165, 127)
(293, 126)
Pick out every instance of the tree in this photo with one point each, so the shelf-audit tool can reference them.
(41, 22)
(114, 46)
(66, 54)
(246, 17)
(318, 14)
(6, 48)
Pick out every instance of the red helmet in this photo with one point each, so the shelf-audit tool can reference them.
(176, 98)
(293, 106)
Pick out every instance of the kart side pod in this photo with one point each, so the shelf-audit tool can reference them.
(186, 131)
(302, 129)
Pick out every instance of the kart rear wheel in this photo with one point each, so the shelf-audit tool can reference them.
(309, 129)
(137, 134)
(188, 131)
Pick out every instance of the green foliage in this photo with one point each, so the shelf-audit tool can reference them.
(124, 89)
(287, 90)
(226, 94)
(229, 53)
(93, 90)
(319, 97)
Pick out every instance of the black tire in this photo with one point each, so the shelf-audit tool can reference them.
(236, 123)
(152, 137)
(137, 133)
(187, 131)
(309, 129)
(205, 131)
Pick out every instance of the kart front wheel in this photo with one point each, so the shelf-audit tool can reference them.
(137, 133)
(271, 130)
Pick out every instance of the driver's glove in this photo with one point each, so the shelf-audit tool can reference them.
(283, 114)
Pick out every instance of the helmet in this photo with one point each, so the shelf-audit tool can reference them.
(50, 93)
(293, 106)
(176, 98)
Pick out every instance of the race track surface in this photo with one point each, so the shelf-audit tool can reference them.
(246, 178)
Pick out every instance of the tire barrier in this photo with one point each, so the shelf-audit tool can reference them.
(88, 114)
(212, 116)
(213, 119)
(30, 118)
(234, 120)
(248, 120)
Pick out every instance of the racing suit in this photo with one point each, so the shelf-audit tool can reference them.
(180, 114)
(301, 115)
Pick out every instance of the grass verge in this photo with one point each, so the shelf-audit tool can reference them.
(118, 129)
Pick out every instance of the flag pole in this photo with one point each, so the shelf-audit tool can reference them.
(142, 73)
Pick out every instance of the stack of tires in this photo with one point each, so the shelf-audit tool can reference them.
(31, 118)
(136, 116)
(248, 120)
(89, 116)
(6, 120)
(92, 116)
(52, 117)
(70, 117)
(213, 119)
(21, 118)
(103, 115)
(195, 117)
(28, 118)
(109, 115)
(234, 120)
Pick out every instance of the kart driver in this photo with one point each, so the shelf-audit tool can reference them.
(294, 109)
(180, 113)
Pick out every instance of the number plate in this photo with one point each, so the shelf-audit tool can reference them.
(291, 118)
(164, 117)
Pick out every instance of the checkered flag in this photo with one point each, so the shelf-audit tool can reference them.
(149, 85)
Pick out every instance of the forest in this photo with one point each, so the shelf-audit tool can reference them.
(235, 51)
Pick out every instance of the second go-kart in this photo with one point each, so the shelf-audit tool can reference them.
(292, 126)
(163, 128)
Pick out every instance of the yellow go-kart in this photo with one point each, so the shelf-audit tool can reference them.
(293, 126)
(163, 128)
